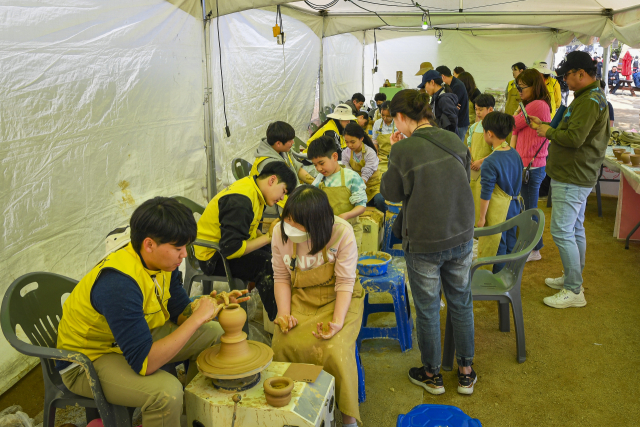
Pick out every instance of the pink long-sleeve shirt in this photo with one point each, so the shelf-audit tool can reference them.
(341, 249)
(528, 141)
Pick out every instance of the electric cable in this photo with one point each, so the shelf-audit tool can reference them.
(224, 100)
(321, 7)
(370, 11)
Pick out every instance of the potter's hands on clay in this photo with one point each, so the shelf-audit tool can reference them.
(286, 322)
(205, 309)
(325, 333)
(233, 297)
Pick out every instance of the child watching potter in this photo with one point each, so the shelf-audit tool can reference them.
(317, 289)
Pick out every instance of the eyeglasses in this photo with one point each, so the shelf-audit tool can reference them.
(521, 88)
(567, 74)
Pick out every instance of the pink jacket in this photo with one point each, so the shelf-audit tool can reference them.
(528, 141)
(341, 249)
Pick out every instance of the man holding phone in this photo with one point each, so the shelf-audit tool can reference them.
(576, 151)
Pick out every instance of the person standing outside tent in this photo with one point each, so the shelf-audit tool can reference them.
(383, 128)
(463, 99)
(130, 315)
(443, 101)
(276, 147)
(576, 152)
(436, 224)
(553, 87)
(356, 102)
(334, 127)
(511, 95)
(614, 80)
(537, 103)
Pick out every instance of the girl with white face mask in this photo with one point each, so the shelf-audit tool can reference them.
(316, 289)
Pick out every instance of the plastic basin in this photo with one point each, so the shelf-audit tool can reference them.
(379, 265)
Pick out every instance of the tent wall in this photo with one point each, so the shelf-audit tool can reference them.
(262, 83)
(488, 57)
(101, 110)
(342, 67)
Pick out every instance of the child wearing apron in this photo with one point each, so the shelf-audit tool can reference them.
(383, 128)
(501, 181)
(320, 299)
(344, 187)
(361, 156)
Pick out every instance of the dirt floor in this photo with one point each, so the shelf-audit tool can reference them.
(580, 366)
(626, 110)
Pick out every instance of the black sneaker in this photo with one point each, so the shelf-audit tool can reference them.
(466, 382)
(433, 385)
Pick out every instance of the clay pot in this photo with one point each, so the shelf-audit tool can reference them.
(618, 154)
(277, 391)
(232, 318)
(635, 159)
(625, 157)
(636, 150)
(619, 149)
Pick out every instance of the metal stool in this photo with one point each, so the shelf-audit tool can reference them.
(393, 283)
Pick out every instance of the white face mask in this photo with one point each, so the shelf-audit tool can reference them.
(296, 236)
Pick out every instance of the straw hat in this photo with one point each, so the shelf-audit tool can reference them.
(542, 67)
(342, 112)
(424, 67)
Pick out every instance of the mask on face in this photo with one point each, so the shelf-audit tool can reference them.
(296, 236)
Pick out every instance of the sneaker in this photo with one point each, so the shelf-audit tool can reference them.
(565, 299)
(534, 256)
(558, 283)
(466, 382)
(433, 385)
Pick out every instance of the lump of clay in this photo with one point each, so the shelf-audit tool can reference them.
(283, 322)
(195, 304)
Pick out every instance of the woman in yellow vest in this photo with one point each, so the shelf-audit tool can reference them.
(555, 92)
(130, 316)
(512, 96)
(334, 126)
(383, 128)
(320, 299)
(361, 156)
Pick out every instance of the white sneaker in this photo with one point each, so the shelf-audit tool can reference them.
(534, 256)
(558, 283)
(565, 299)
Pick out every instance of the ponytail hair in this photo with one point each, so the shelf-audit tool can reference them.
(413, 104)
(355, 130)
(446, 88)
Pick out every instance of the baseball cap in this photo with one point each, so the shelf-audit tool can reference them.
(428, 76)
(575, 60)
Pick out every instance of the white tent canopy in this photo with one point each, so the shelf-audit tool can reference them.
(107, 104)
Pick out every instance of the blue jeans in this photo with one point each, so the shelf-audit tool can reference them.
(461, 132)
(567, 229)
(426, 272)
(531, 191)
(509, 238)
(378, 202)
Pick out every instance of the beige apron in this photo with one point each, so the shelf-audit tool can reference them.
(373, 184)
(384, 148)
(313, 300)
(339, 201)
(496, 214)
(479, 150)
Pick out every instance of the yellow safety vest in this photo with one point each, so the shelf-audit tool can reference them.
(85, 330)
(513, 98)
(331, 125)
(209, 223)
(258, 160)
(551, 84)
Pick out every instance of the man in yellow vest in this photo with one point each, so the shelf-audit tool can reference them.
(512, 96)
(276, 147)
(232, 219)
(130, 316)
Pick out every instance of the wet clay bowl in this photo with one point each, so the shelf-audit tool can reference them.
(625, 158)
(635, 159)
(277, 391)
(636, 150)
(622, 150)
(373, 263)
(393, 207)
(618, 153)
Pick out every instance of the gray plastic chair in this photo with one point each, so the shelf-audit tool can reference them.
(240, 168)
(193, 271)
(297, 143)
(38, 312)
(503, 286)
(328, 110)
(323, 117)
(313, 128)
(333, 107)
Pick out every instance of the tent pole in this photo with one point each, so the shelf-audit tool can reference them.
(212, 188)
(364, 40)
(605, 67)
(321, 71)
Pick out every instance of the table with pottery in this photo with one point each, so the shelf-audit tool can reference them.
(626, 160)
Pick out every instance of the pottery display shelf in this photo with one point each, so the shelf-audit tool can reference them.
(628, 210)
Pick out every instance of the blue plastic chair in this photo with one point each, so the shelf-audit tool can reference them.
(392, 282)
(436, 415)
(362, 395)
(389, 240)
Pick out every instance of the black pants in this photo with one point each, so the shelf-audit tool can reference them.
(252, 267)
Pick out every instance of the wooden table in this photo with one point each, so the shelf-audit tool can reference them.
(627, 85)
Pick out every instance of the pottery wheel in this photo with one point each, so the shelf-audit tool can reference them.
(257, 358)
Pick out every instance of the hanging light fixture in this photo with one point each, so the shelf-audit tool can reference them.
(438, 35)
(425, 21)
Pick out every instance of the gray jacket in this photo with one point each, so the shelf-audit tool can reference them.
(265, 150)
(437, 205)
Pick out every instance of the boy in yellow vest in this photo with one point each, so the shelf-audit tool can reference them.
(232, 219)
(276, 147)
(346, 190)
(130, 316)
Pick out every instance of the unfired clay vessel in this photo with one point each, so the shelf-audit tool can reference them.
(635, 159)
(235, 356)
(277, 391)
(625, 157)
(618, 154)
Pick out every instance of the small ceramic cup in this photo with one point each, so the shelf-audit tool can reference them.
(635, 159)
(625, 157)
(277, 391)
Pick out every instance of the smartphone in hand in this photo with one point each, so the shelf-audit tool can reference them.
(524, 112)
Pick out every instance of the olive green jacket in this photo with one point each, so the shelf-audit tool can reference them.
(578, 145)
